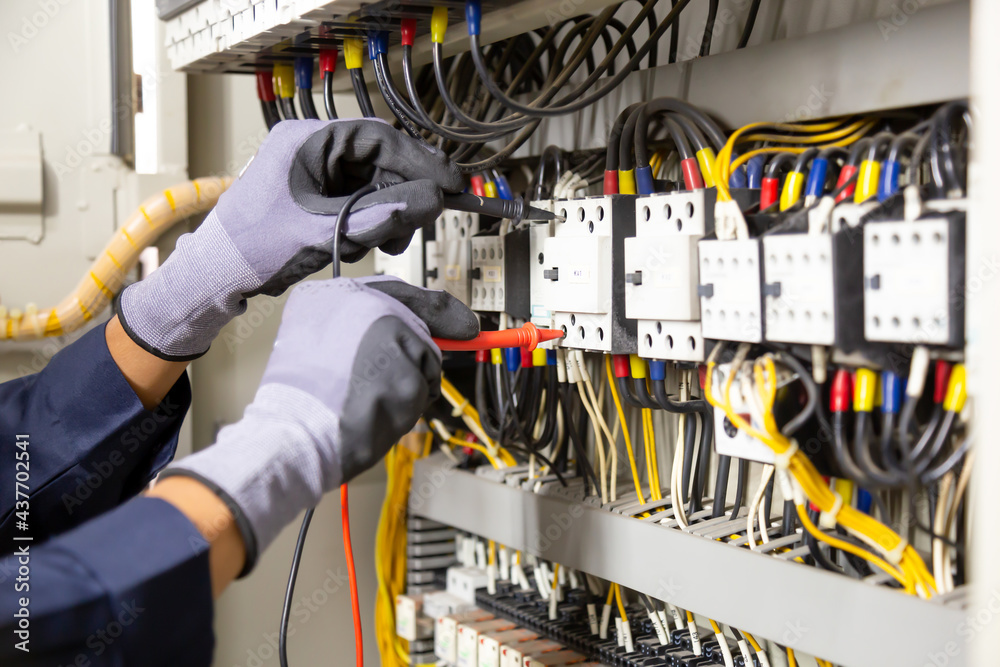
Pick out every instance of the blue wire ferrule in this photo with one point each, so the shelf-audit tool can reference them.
(551, 358)
(755, 171)
(304, 73)
(473, 15)
(657, 370)
(503, 187)
(892, 393)
(864, 500)
(644, 180)
(888, 184)
(512, 357)
(738, 179)
(816, 182)
(378, 43)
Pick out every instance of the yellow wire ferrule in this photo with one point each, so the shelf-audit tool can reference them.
(439, 24)
(284, 80)
(637, 365)
(864, 390)
(626, 182)
(867, 186)
(954, 400)
(539, 357)
(496, 356)
(706, 160)
(490, 189)
(791, 192)
(353, 53)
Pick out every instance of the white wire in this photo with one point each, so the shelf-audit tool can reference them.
(601, 421)
(765, 475)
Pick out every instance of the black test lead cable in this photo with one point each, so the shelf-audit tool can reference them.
(338, 227)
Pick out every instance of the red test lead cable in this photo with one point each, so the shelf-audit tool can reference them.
(528, 336)
(345, 520)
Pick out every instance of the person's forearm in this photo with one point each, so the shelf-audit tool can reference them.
(149, 376)
(213, 520)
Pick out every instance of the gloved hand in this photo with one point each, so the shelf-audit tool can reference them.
(351, 372)
(274, 226)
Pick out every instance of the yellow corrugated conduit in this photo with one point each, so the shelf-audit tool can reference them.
(106, 275)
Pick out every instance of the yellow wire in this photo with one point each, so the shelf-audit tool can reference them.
(625, 433)
(654, 488)
(621, 606)
(611, 594)
(912, 571)
(653, 459)
(753, 642)
(792, 662)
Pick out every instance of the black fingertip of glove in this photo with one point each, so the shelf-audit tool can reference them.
(445, 316)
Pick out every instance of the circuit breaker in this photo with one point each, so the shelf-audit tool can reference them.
(584, 264)
(661, 274)
(730, 290)
(914, 283)
(448, 255)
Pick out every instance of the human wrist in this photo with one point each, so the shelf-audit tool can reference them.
(213, 519)
(179, 309)
(271, 465)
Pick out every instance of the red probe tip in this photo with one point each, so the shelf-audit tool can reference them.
(528, 336)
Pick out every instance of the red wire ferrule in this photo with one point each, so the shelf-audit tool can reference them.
(478, 185)
(846, 172)
(692, 174)
(768, 191)
(611, 182)
(328, 60)
(407, 31)
(527, 361)
(942, 374)
(621, 364)
(265, 89)
(840, 391)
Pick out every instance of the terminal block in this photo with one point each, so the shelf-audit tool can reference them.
(914, 281)
(661, 274)
(729, 440)
(448, 255)
(730, 290)
(583, 264)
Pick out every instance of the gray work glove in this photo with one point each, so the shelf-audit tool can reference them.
(274, 226)
(351, 372)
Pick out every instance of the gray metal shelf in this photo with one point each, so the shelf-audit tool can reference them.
(847, 621)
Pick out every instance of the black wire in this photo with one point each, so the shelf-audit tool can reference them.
(328, 103)
(748, 26)
(338, 227)
(582, 464)
(293, 573)
(721, 486)
(706, 40)
(741, 488)
(306, 102)
(816, 551)
(399, 109)
(361, 93)
(288, 108)
(270, 110)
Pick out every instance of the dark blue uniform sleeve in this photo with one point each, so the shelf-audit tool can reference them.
(91, 445)
(131, 587)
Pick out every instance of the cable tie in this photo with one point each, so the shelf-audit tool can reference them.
(459, 408)
(896, 555)
(782, 460)
(828, 519)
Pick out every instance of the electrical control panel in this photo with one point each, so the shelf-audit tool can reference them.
(584, 271)
(448, 256)
(661, 274)
(914, 281)
(730, 290)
